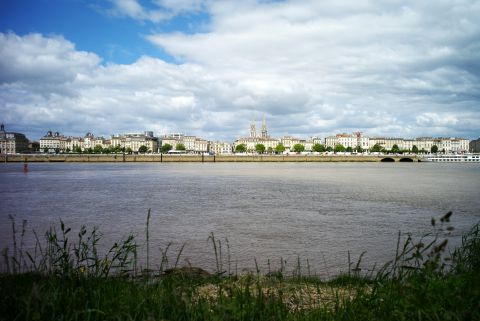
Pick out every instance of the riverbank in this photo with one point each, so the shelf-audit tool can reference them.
(162, 158)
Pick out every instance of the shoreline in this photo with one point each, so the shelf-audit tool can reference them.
(162, 158)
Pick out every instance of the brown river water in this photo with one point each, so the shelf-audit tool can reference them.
(309, 211)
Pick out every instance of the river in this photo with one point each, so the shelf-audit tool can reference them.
(312, 211)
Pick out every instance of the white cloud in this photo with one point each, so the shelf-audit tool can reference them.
(401, 58)
(437, 120)
(314, 67)
(158, 11)
(42, 60)
(133, 9)
(181, 5)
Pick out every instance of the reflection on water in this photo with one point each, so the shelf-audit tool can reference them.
(317, 211)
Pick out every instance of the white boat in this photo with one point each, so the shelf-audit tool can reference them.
(453, 158)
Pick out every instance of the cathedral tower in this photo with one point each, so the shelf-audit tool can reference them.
(264, 128)
(253, 130)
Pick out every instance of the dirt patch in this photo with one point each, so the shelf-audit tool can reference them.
(295, 295)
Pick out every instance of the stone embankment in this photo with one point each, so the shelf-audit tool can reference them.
(120, 158)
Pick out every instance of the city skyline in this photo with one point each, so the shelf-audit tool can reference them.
(209, 67)
(248, 133)
(252, 132)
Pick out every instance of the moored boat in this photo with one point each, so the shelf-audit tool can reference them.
(453, 158)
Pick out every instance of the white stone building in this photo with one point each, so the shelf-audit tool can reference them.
(134, 141)
(221, 148)
(449, 145)
(453, 145)
(52, 142)
(193, 144)
(288, 142)
(254, 139)
(348, 140)
(387, 142)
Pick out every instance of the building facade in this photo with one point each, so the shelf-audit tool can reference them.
(254, 139)
(192, 144)
(425, 144)
(349, 140)
(221, 148)
(271, 143)
(52, 142)
(474, 146)
(12, 143)
(386, 142)
(134, 141)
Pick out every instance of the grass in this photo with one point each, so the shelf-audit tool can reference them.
(65, 280)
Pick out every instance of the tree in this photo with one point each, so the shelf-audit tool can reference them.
(260, 148)
(270, 150)
(376, 148)
(165, 148)
(128, 150)
(98, 149)
(359, 149)
(329, 149)
(395, 149)
(45, 150)
(89, 150)
(180, 146)
(298, 148)
(279, 148)
(240, 148)
(77, 149)
(415, 149)
(349, 149)
(434, 149)
(319, 148)
(339, 148)
(143, 149)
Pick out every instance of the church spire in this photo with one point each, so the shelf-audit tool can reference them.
(264, 128)
(253, 130)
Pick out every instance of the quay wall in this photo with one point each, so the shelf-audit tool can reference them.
(120, 158)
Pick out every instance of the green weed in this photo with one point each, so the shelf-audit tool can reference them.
(67, 277)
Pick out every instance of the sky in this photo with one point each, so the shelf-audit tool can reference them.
(388, 68)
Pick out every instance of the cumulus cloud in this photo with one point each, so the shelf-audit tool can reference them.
(133, 9)
(160, 10)
(358, 57)
(178, 6)
(42, 60)
(313, 67)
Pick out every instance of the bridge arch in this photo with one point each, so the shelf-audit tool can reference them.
(387, 160)
(406, 160)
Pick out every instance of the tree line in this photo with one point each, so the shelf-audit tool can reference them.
(320, 148)
(99, 149)
(259, 148)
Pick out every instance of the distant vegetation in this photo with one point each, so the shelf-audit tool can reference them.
(166, 148)
(279, 148)
(240, 148)
(298, 148)
(319, 148)
(260, 148)
(180, 147)
(67, 277)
